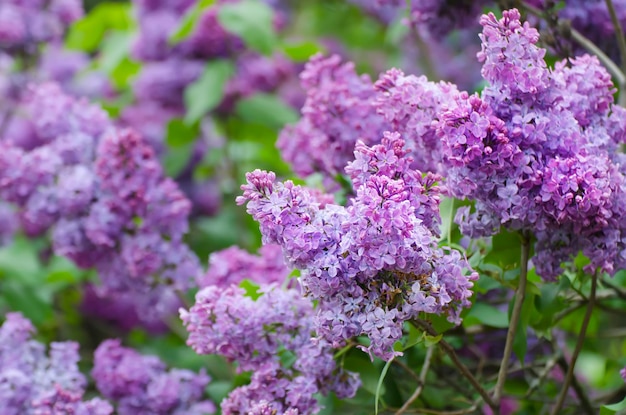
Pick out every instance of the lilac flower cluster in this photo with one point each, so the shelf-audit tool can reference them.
(338, 111)
(272, 338)
(104, 195)
(25, 24)
(537, 151)
(142, 384)
(233, 265)
(35, 383)
(409, 104)
(374, 264)
(342, 108)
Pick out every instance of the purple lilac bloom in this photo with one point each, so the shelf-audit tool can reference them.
(142, 384)
(103, 194)
(25, 24)
(33, 382)
(272, 337)
(410, 104)
(374, 264)
(338, 111)
(537, 151)
(232, 265)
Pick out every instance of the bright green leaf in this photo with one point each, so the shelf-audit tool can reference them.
(251, 20)
(251, 288)
(207, 92)
(379, 385)
(266, 109)
(486, 315)
(615, 408)
(180, 134)
(87, 33)
(301, 52)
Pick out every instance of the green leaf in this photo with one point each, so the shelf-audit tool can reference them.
(619, 407)
(87, 33)
(432, 340)
(189, 21)
(180, 134)
(302, 51)
(114, 49)
(253, 21)
(487, 315)
(207, 92)
(506, 250)
(176, 159)
(520, 344)
(251, 288)
(29, 300)
(266, 109)
(379, 385)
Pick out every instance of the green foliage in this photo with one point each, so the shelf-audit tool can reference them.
(189, 21)
(207, 92)
(267, 110)
(253, 21)
(88, 33)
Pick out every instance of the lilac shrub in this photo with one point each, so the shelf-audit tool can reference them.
(374, 264)
(33, 382)
(102, 193)
(537, 151)
(142, 384)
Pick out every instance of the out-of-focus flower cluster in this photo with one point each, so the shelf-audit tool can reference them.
(141, 384)
(33, 382)
(102, 193)
(374, 264)
(26, 24)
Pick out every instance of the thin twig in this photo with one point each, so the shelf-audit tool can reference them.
(580, 392)
(543, 375)
(621, 43)
(591, 47)
(421, 381)
(457, 362)
(520, 293)
(407, 369)
(579, 345)
(469, 410)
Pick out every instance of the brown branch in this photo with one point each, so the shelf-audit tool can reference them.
(421, 382)
(579, 345)
(520, 293)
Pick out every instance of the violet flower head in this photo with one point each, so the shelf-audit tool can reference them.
(410, 104)
(33, 382)
(142, 384)
(537, 152)
(338, 111)
(260, 334)
(374, 264)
